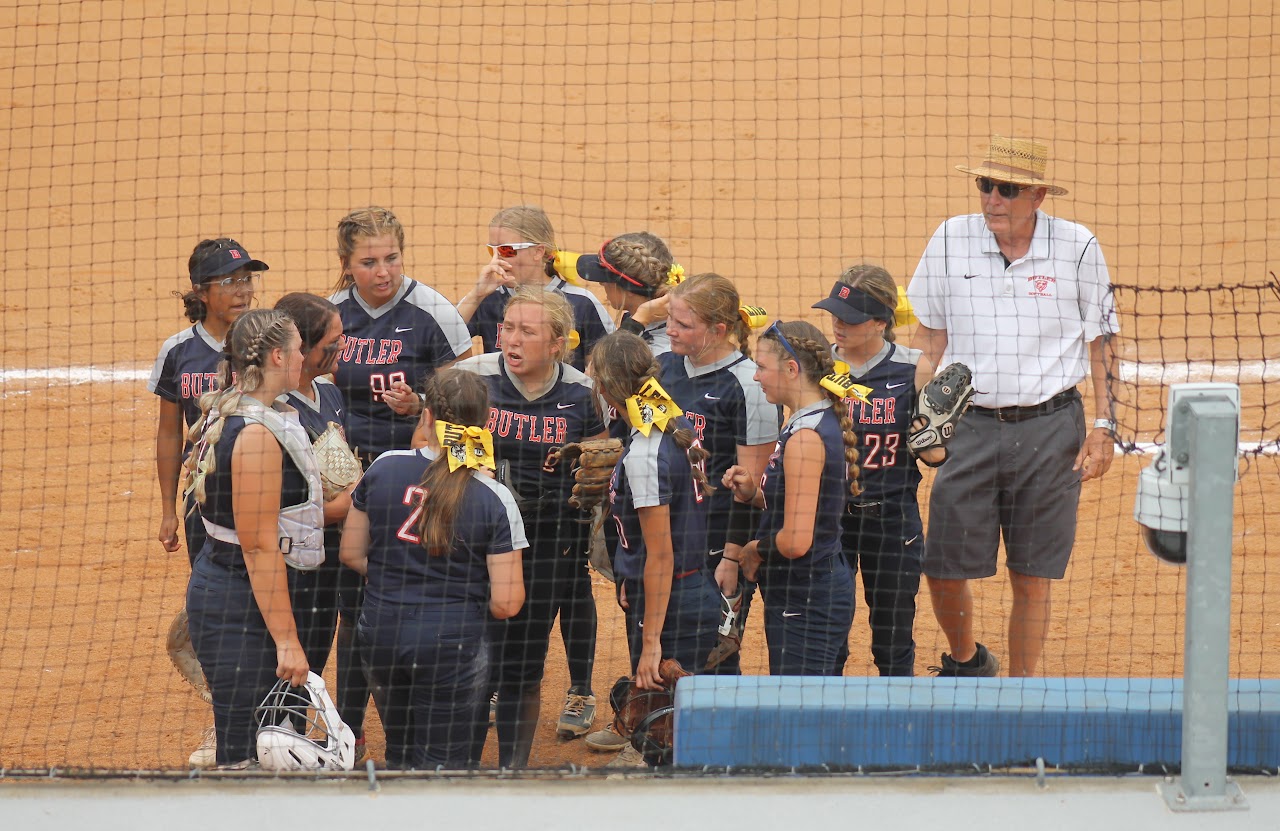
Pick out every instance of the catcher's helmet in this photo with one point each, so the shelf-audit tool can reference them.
(299, 729)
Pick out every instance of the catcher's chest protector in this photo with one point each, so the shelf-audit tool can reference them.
(302, 525)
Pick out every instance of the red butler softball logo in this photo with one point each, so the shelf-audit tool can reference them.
(844, 292)
(1041, 285)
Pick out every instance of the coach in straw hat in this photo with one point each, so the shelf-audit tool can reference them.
(1023, 298)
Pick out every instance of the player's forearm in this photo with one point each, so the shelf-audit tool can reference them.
(168, 467)
(270, 584)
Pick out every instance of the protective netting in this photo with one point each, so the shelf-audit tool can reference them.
(775, 144)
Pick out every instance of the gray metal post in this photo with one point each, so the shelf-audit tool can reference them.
(1211, 429)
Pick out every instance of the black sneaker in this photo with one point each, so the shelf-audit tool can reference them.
(984, 665)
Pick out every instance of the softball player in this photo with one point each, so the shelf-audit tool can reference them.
(441, 544)
(397, 332)
(807, 588)
(522, 248)
(710, 374)
(255, 478)
(882, 529)
(319, 404)
(637, 271)
(658, 500)
(223, 280)
(538, 403)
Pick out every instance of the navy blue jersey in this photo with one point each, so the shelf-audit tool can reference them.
(186, 369)
(589, 317)
(654, 471)
(726, 408)
(888, 468)
(217, 507)
(526, 431)
(833, 488)
(400, 570)
(405, 339)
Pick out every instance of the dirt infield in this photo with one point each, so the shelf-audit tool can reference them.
(770, 147)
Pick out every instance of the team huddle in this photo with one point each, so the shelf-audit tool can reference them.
(354, 475)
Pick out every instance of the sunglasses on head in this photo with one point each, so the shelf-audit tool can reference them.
(776, 331)
(1007, 190)
(508, 250)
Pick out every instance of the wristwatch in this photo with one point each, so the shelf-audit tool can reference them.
(1105, 424)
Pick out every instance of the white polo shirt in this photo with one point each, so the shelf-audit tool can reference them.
(1023, 330)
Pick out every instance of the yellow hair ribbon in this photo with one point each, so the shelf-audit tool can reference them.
(573, 340)
(566, 265)
(651, 406)
(675, 274)
(842, 384)
(754, 316)
(466, 446)
(904, 315)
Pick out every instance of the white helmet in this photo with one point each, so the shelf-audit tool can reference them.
(299, 729)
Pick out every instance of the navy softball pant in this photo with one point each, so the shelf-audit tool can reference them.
(808, 611)
(432, 661)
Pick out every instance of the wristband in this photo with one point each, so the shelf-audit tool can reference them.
(743, 522)
(630, 324)
(1105, 424)
(767, 547)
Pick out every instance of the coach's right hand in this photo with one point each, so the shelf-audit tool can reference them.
(168, 535)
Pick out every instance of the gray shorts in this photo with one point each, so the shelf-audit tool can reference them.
(1010, 478)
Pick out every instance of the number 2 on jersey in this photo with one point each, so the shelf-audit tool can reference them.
(413, 496)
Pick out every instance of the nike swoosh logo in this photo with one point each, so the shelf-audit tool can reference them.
(970, 276)
(791, 614)
(565, 406)
(405, 329)
(895, 386)
(711, 397)
(913, 539)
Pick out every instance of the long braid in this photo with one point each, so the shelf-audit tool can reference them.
(817, 362)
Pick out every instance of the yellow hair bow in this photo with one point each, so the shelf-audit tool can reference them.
(904, 315)
(840, 382)
(566, 265)
(754, 316)
(650, 406)
(466, 446)
(675, 274)
(573, 340)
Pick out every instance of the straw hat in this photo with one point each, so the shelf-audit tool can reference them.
(1019, 161)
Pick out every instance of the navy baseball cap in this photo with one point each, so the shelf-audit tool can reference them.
(853, 305)
(227, 257)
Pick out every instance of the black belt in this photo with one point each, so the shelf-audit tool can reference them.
(1060, 401)
(863, 509)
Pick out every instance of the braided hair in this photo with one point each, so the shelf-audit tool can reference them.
(458, 397)
(643, 257)
(813, 354)
(621, 364)
(249, 341)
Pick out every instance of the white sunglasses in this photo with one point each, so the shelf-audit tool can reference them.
(509, 249)
(252, 280)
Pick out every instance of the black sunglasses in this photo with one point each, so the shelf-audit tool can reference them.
(1007, 190)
